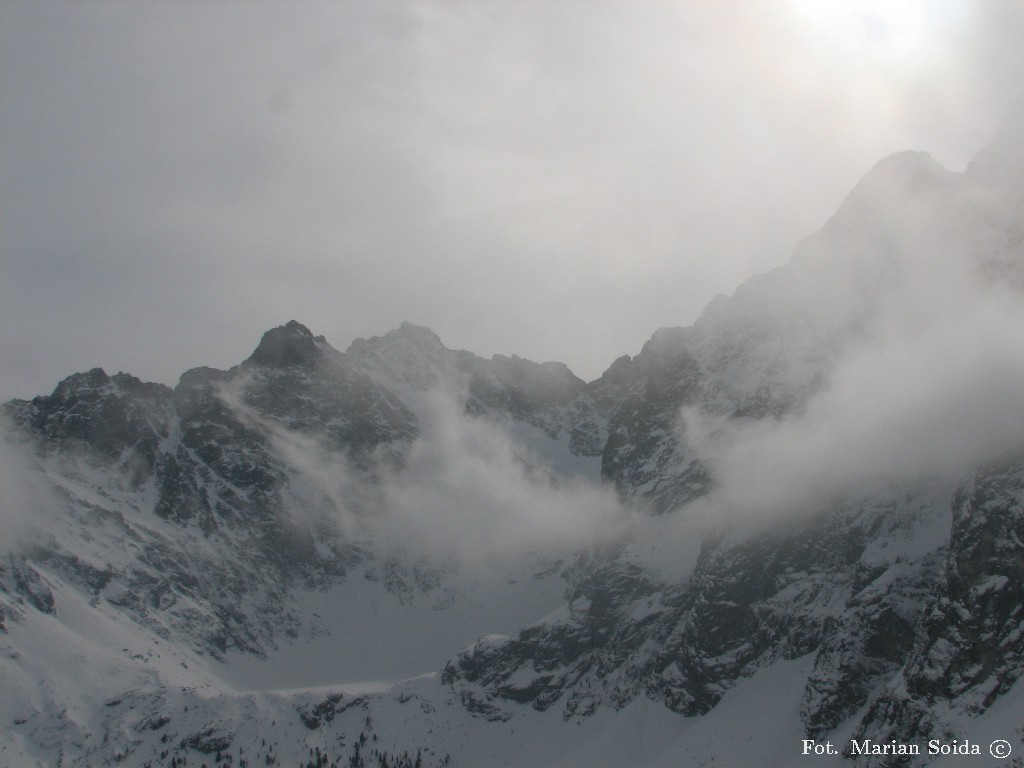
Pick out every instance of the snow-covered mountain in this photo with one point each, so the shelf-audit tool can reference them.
(797, 522)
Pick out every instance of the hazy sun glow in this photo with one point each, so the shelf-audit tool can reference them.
(892, 29)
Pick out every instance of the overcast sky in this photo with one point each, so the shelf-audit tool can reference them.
(550, 179)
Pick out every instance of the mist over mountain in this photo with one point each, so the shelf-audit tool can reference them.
(798, 519)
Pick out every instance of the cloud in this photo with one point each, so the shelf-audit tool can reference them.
(932, 389)
(356, 165)
(28, 500)
(464, 491)
(467, 491)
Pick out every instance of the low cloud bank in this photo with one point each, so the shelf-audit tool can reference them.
(935, 388)
(465, 490)
(26, 495)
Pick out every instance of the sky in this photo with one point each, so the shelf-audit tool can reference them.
(549, 179)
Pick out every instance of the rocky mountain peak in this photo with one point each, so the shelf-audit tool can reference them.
(886, 191)
(91, 380)
(419, 335)
(1002, 161)
(910, 169)
(666, 343)
(544, 382)
(95, 386)
(616, 373)
(401, 344)
(287, 345)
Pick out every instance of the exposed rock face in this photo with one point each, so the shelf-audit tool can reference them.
(116, 419)
(233, 526)
(967, 649)
(820, 589)
(290, 344)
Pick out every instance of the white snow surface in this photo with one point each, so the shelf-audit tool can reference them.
(365, 633)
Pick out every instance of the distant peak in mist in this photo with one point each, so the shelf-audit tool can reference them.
(286, 345)
(419, 335)
(1002, 160)
(909, 171)
(888, 187)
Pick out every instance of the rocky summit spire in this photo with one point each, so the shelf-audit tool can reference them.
(289, 344)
